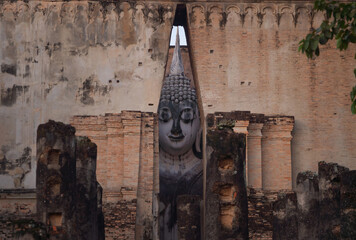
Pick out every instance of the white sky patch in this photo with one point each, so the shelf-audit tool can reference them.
(182, 38)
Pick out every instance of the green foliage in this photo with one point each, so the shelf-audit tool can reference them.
(340, 24)
(226, 124)
(353, 99)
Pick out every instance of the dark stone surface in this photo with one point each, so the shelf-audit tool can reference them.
(348, 205)
(56, 178)
(86, 190)
(308, 205)
(329, 197)
(257, 118)
(285, 222)
(223, 119)
(188, 217)
(67, 190)
(100, 214)
(226, 197)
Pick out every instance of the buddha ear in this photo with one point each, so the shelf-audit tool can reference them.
(198, 139)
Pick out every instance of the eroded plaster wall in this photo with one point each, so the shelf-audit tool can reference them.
(245, 58)
(60, 59)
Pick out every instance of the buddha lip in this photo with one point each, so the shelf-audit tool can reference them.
(176, 138)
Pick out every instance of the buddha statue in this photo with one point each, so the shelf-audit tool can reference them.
(180, 160)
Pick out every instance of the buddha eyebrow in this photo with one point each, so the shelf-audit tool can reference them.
(186, 107)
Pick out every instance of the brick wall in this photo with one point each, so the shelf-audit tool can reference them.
(120, 219)
(260, 213)
(245, 57)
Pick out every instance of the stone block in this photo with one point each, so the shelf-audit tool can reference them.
(188, 217)
(86, 214)
(329, 197)
(308, 205)
(348, 205)
(285, 221)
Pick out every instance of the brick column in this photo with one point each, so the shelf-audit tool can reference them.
(131, 122)
(276, 153)
(254, 151)
(114, 155)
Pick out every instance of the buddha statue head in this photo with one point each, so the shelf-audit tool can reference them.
(179, 121)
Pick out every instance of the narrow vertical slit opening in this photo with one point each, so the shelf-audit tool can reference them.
(180, 140)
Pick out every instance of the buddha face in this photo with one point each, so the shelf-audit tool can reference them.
(178, 126)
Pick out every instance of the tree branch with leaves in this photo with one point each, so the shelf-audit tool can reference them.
(340, 24)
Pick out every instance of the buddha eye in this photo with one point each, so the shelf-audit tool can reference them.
(165, 114)
(187, 115)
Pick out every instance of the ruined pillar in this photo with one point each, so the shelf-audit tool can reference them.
(67, 190)
(188, 217)
(285, 223)
(276, 153)
(348, 205)
(100, 214)
(226, 197)
(242, 122)
(329, 197)
(56, 178)
(308, 205)
(127, 170)
(254, 151)
(86, 214)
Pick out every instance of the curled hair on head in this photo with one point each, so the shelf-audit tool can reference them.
(176, 88)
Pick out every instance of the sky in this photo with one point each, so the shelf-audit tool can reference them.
(183, 40)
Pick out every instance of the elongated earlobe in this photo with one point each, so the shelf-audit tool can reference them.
(198, 139)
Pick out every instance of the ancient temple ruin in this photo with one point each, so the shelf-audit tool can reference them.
(107, 132)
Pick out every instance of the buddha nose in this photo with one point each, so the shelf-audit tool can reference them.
(176, 130)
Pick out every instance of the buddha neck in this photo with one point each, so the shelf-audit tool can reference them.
(177, 164)
(181, 159)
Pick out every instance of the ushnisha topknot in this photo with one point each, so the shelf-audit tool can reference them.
(176, 86)
(177, 63)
